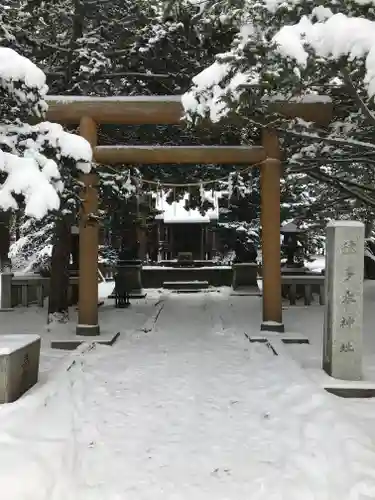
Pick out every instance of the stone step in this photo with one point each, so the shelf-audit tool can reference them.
(186, 285)
(246, 291)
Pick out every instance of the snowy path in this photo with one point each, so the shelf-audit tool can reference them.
(186, 408)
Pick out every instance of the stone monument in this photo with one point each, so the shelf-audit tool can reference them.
(343, 322)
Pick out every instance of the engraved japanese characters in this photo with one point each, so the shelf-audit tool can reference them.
(342, 349)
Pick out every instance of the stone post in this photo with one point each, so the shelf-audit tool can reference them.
(343, 322)
(6, 291)
(244, 275)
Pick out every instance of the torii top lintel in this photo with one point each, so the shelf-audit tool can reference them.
(163, 110)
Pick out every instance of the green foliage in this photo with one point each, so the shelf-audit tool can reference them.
(92, 47)
(329, 171)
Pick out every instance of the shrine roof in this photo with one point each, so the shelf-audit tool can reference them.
(176, 213)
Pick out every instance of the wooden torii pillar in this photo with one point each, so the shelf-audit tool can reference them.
(88, 323)
(270, 174)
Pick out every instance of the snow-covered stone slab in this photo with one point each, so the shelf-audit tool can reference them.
(71, 343)
(185, 285)
(353, 390)
(262, 340)
(295, 339)
(285, 339)
(272, 326)
(288, 338)
(256, 338)
(246, 291)
(19, 365)
(137, 294)
(343, 323)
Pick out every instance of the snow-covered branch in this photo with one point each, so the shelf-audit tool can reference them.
(32, 157)
(367, 200)
(338, 36)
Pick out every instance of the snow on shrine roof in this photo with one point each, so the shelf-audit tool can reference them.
(175, 212)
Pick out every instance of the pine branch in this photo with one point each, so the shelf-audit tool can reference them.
(363, 106)
(135, 74)
(38, 43)
(301, 170)
(348, 182)
(328, 160)
(313, 164)
(108, 76)
(337, 178)
(341, 184)
(336, 142)
(319, 207)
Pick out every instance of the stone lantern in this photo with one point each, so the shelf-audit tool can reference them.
(291, 242)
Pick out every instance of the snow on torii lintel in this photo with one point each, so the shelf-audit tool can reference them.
(66, 99)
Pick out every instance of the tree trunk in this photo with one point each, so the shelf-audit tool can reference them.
(58, 304)
(77, 33)
(17, 224)
(369, 224)
(4, 240)
(75, 268)
(142, 238)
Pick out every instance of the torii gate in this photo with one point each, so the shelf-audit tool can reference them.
(89, 112)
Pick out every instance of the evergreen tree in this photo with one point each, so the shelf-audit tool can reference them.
(116, 48)
(285, 50)
(37, 161)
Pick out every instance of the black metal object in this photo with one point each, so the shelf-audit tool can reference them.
(121, 293)
(126, 280)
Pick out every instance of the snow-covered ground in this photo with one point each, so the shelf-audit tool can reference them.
(183, 406)
(317, 265)
(309, 321)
